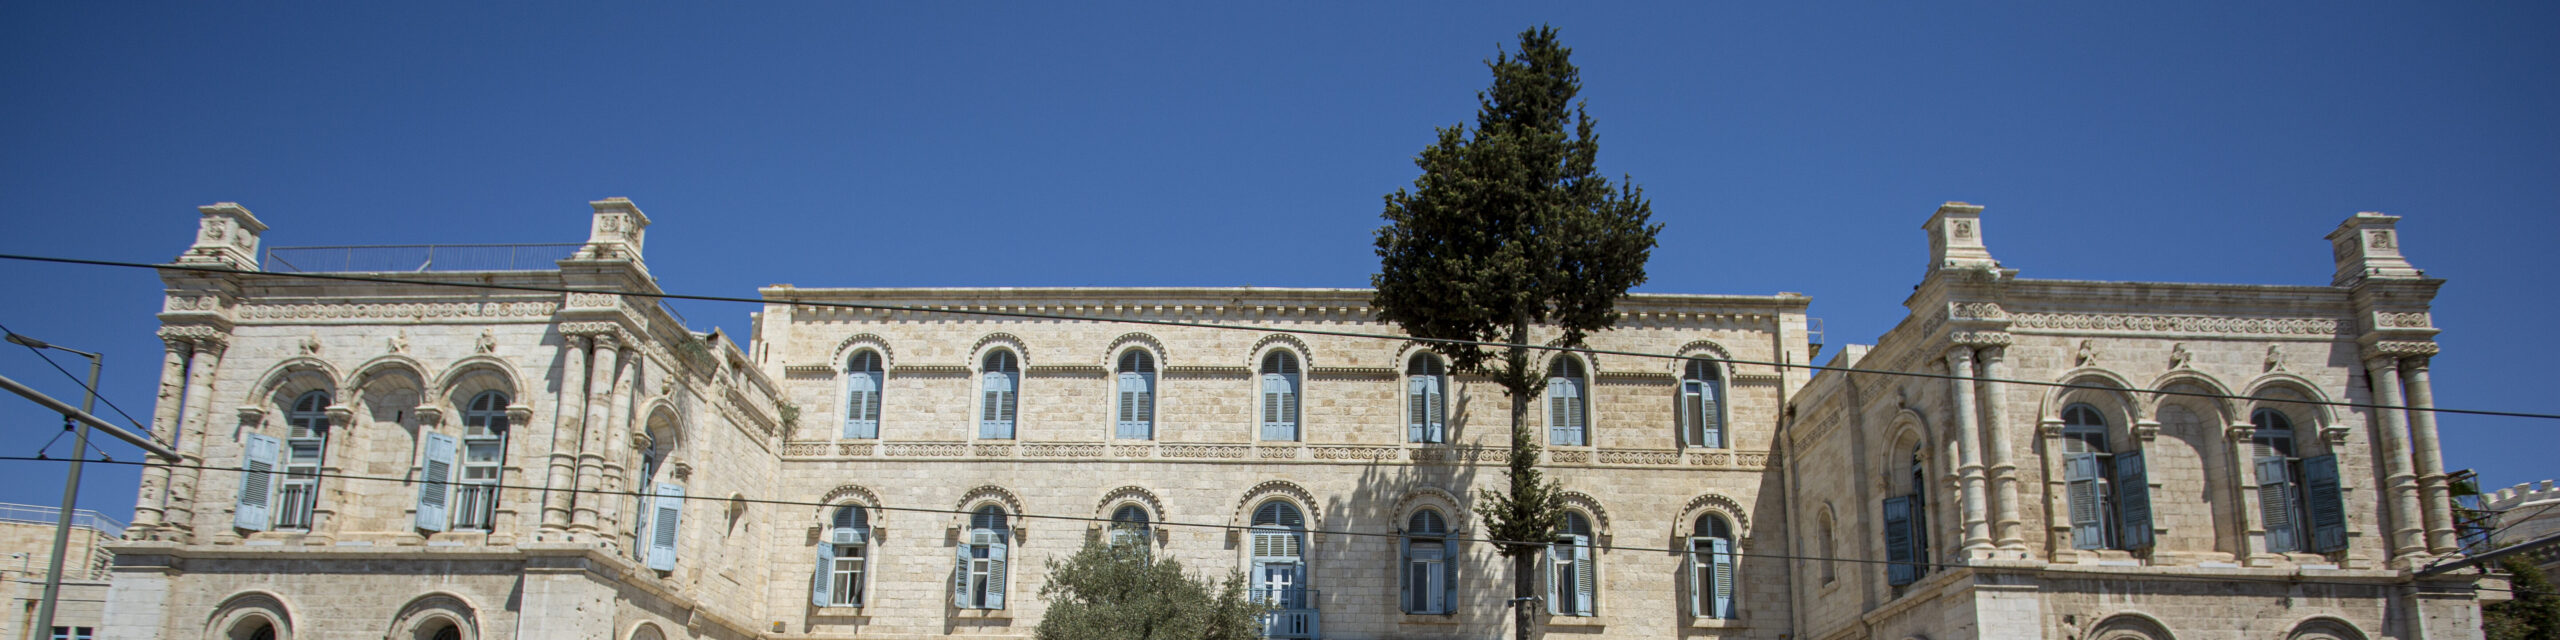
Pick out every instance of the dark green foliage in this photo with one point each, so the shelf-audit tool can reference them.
(1509, 227)
(2533, 614)
(1117, 592)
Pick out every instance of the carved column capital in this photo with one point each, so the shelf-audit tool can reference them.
(1960, 360)
(430, 415)
(340, 415)
(2414, 364)
(2334, 435)
(252, 414)
(519, 414)
(2240, 431)
(2146, 431)
(2049, 429)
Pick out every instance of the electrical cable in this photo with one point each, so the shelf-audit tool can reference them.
(1230, 327)
(84, 385)
(1932, 565)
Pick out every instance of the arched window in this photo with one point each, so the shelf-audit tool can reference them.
(1426, 399)
(1830, 549)
(1137, 410)
(1701, 405)
(842, 559)
(1711, 561)
(2088, 489)
(1279, 575)
(1280, 378)
(978, 579)
(1129, 526)
(1568, 413)
(1571, 585)
(306, 441)
(1430, 564)
(656, 515)
(2299, 498)
(864, 380)
(1906, 527)
(1000, 379)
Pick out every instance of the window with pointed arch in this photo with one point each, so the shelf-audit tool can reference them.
(484, 457)
(1279, 575)
(1572, 583)
(306, 442)
(1568, 408)
(978, 575)
(1430, 571)
(1281, 380)
(1906, 525)
(1426, 399)
(1136, 413)
(843, 557)
(1702, 408)
(1129, 526)
(864, 380)
(1711, 563)
(999, 390)
(2300, 501)
(2107, 491)
(658, 509)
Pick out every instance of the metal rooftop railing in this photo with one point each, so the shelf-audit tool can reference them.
(32, 514)
(414, 258)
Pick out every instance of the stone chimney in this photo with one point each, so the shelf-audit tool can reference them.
(226, 236)
(1955, 239)
(2367, 245)
(617, 231)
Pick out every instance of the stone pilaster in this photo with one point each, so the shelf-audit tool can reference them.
(583, 512)
(2399, 482)
(153, 495)
(2428, 456)
(179, 520)
(1968, 436)
(616, 445)
(569, 410)
(2004, 469)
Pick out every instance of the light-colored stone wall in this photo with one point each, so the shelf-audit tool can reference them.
(26, 547)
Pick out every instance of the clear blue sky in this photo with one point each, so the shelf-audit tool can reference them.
(1786, 148)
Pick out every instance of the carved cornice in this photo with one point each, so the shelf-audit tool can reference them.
(2404, 348)
(940, 370)
(1068, 370)
(277, 313)
(818, 371)
(1757, 378)
(2210, 325)
(1193, 371)
(2403, 320)
(197, 334)
(1354, 373)
(1976, 311)
(1979, 338)
(1639, 377)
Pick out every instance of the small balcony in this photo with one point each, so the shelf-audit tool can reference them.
(1293, 613)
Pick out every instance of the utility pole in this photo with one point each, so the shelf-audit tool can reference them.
(70, 486)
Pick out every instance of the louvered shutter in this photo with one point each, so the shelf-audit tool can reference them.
(960, 576)
(662, 531)
(257, 482)
(995, 572)
(2275, 504)
(1407, 596)
(1559, 562)
(862, 405)
(2080, 477)
(1147, 404)
(1272, 388)
(1899, 548)
(1700, 568)
(1723, 576)
(2133, 501)
(996, 421)
(1711, 414)
(1417, 408)
(2325, 506)
(1289, 414)
(435, 475)
(1437, 414)
(1692, 432)
(1448, 575)
(820, 586)
(1585, 584)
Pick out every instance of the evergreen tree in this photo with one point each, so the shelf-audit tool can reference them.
(2533, 614)
(1507, 228)
(1120, 592)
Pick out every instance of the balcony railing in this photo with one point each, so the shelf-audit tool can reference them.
(1293, 613)
(412, 258)
(80, 518)
(474, 505)
(294, 502)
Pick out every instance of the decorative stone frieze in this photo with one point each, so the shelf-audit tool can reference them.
(424, 312)
(2204, 325)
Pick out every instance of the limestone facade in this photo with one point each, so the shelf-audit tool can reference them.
(26, 550)
(491, 463)
(2526, 513)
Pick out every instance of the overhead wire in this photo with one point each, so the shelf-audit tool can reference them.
(1233, 327)
(84, 385)
(1932, 565)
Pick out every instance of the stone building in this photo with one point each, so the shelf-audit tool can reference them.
(26, 552)
(2526, 513)
(465, 462)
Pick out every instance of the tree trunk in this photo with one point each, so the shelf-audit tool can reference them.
(1524, 566)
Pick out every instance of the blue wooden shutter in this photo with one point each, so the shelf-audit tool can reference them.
(820, 586)
(1559, 562)
(1723, 576)
(1448, 575)
(1700, 568)
(1417, 408)
(2325, 506)
(1560, 412)
(862, 405)
(1147, 404)
(1585, 584)
(1134, 398)
(2080, 478)
(995, 571)
(1899, 548)
(662, 531)
(434, 477)
(996, 421)
(257, 482)
(1711, 412)
(960, 575)
(2133, 501)
(1406, 590)
(1437, 413)
(2275, 504)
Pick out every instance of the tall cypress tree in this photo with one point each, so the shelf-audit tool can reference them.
(1510, 228)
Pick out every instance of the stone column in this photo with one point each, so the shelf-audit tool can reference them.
(568, 410)
(179, 519)
(2004, 470)
(2400, 485)
(2250, 528)
(2429, 457)
(616, 444)
(1968, 435)
(600, 383)
(154, 492)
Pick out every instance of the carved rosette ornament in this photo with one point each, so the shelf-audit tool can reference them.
(2403, 349)
(1980, 338)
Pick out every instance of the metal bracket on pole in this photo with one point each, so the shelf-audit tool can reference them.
(146, 444)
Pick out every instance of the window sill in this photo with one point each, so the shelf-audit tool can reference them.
(1430, 619)
(1592, 622)
(1718, 623)
(983, 614)
(840, 611)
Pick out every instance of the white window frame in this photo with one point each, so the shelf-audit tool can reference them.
(485, 426)
(988, 567)
(1427, 578)
(866, 416)
(1571, 561)
(1575, 375)
(1008, 416)
(1288, 370)
(1704, 406)
(307, 423)
(1427, 414)
(1135, 414)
